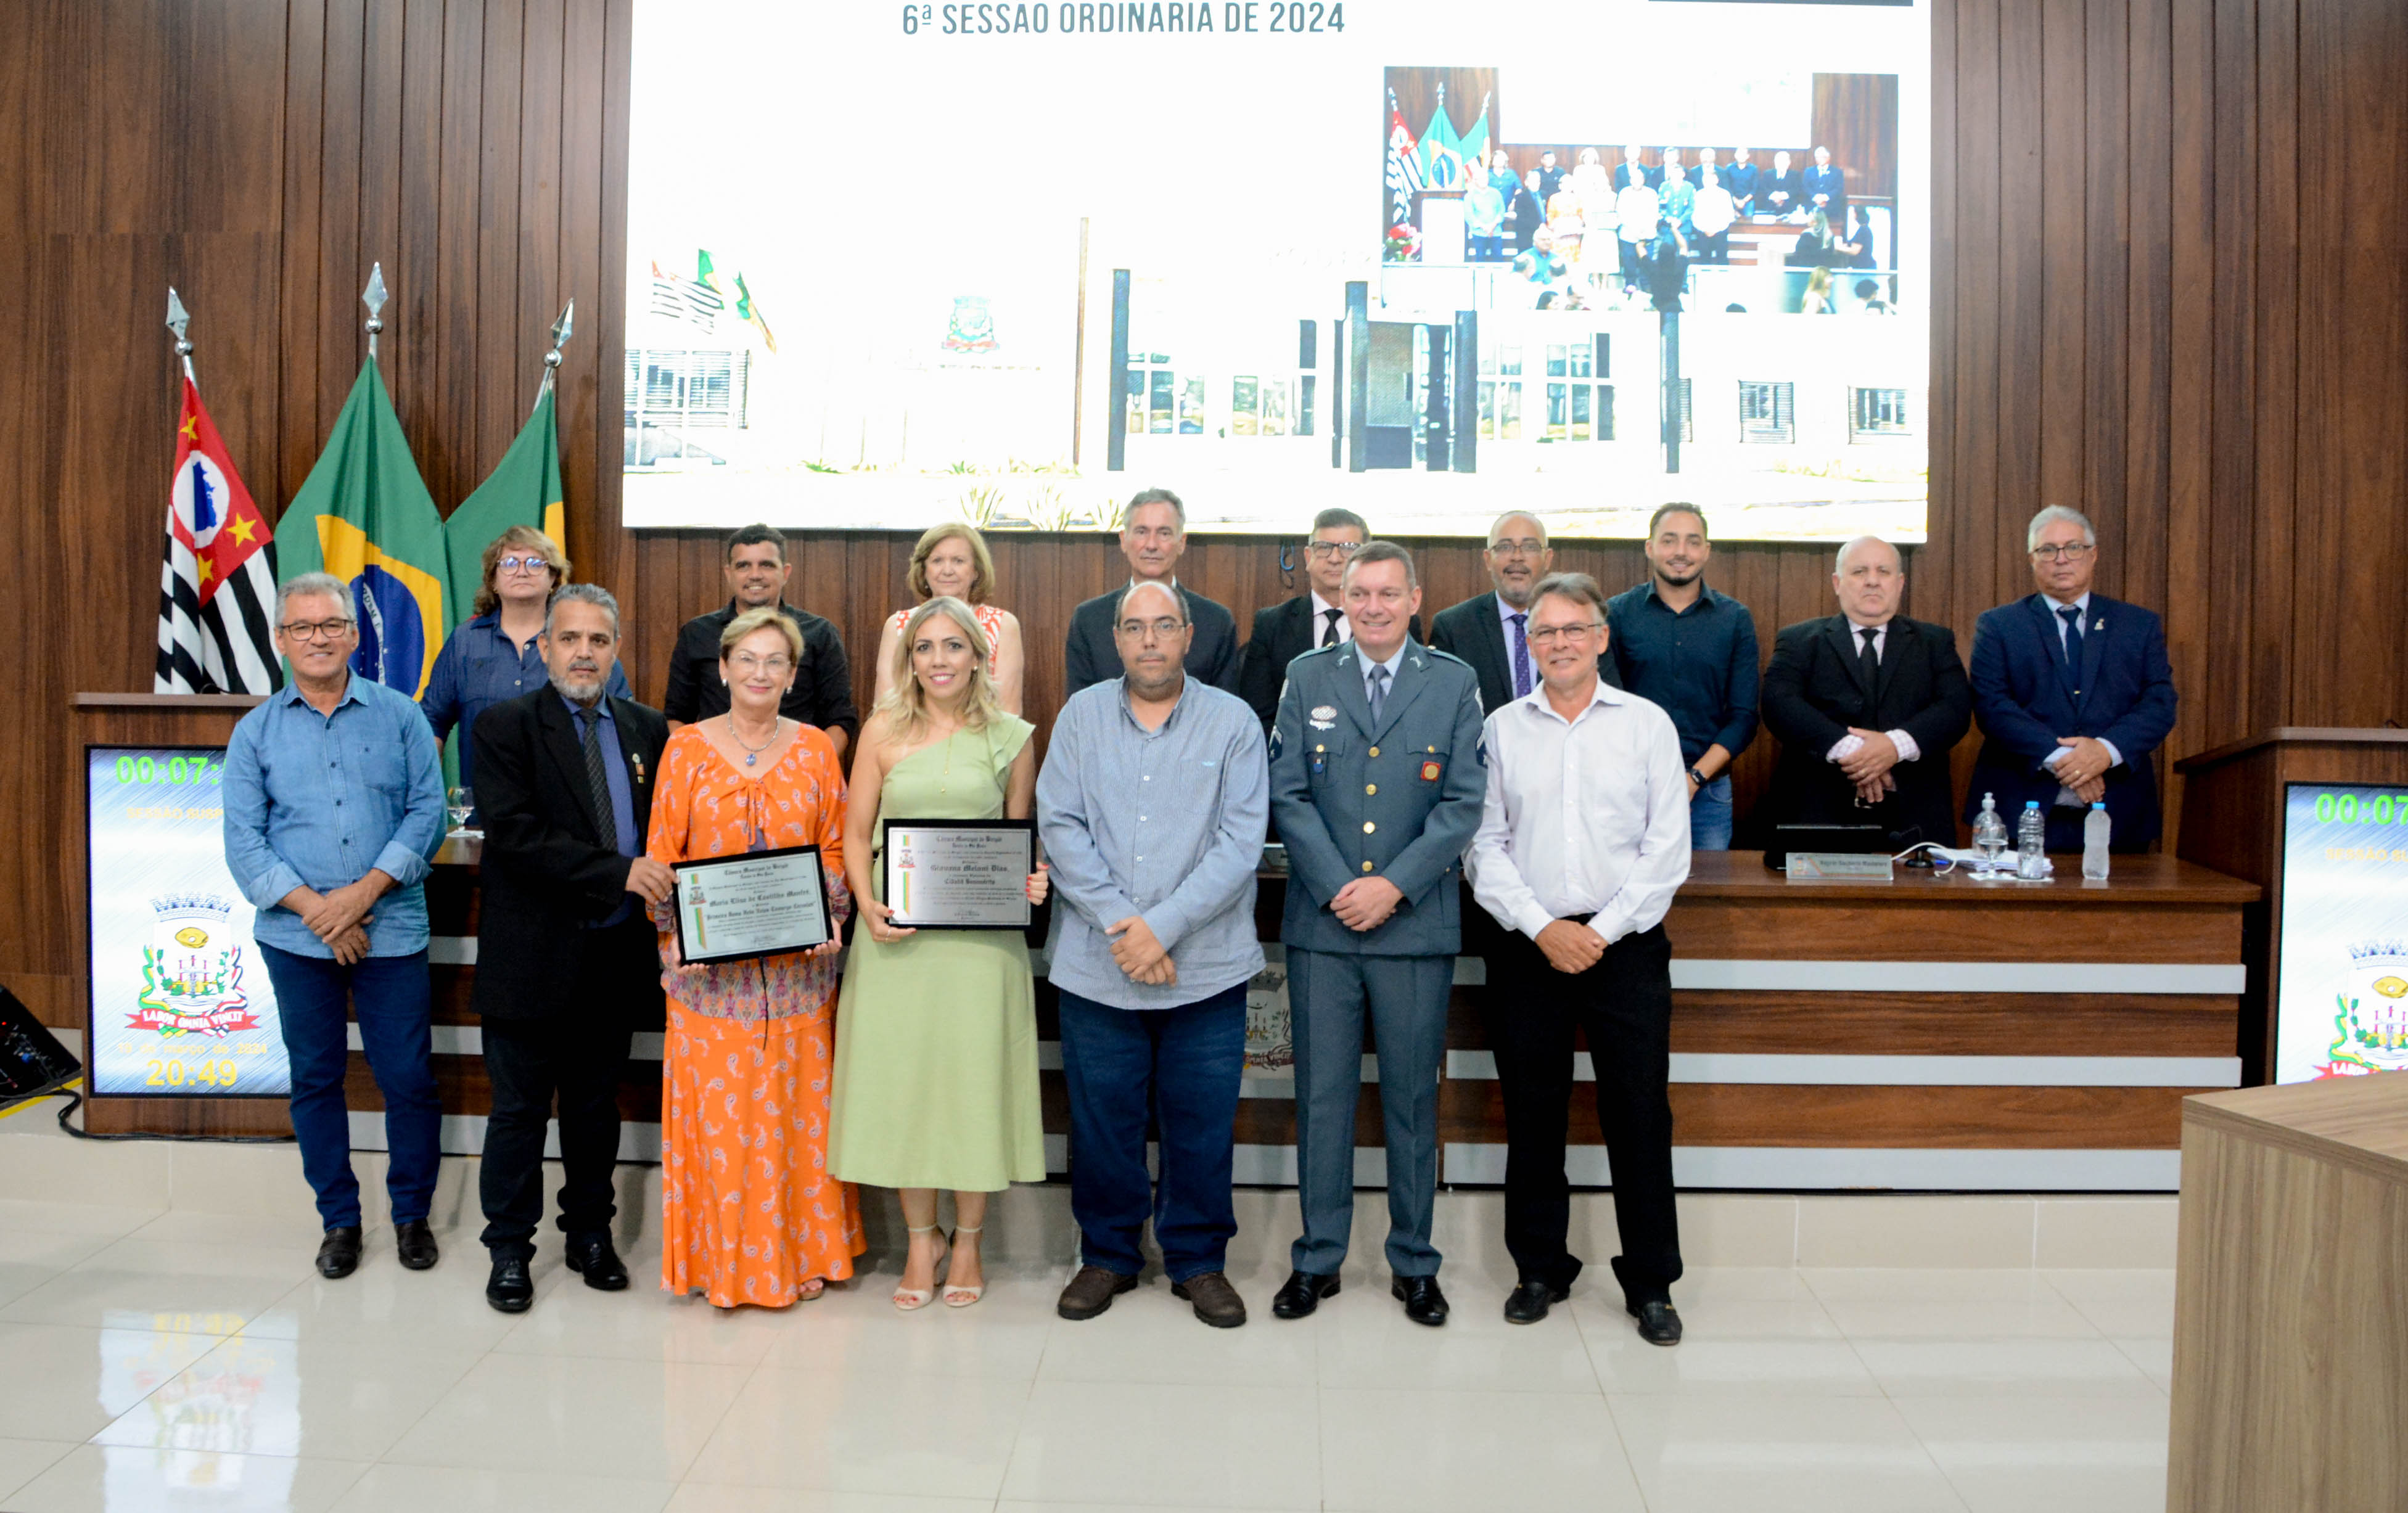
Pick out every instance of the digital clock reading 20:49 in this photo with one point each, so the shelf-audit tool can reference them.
(2362, 808)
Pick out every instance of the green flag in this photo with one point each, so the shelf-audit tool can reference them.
(364, 515)
(524, 490)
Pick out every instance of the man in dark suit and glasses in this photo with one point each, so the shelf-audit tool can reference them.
(1489, 631)
(567, 965)
(1867, 705)
(1312, 620)
(1153, 535)
(2073, 694)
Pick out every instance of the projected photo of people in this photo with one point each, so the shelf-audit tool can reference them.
(1288, 271)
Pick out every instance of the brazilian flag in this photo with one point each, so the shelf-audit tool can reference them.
(364, 515)
(524, 490)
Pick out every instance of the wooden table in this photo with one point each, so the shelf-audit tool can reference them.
(2290, 1318)
(1932, 1032)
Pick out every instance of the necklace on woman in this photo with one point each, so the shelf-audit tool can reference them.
(752, 753)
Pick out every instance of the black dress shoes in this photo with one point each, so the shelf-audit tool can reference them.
(415, 1243)
(1659, 1323)
(338, 1253)
(600, 1264)
(509, 1290)
(1301, 1294)
(1528, 1302)
(1424, 1303)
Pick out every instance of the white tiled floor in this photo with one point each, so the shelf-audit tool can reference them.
(165, 1359)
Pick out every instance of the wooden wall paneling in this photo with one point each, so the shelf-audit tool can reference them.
(2026, 252)
(586, 245)
(606, 333)
(274, 476)
(2231, 450)
(415, 323)
(2274, 224)
(2192, 314)
(342, 267)
(1965, 357)
(459, 390)
(1855, 116)
(543, 95)
(495, 352)
(2067, 143)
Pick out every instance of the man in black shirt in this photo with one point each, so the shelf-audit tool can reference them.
(1691, 652)
(757, 571)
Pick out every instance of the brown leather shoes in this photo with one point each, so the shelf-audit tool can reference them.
(1216, 1302)
(1092, 1292)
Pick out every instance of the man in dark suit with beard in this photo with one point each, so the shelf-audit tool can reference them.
(567, 965)
(1867, 705)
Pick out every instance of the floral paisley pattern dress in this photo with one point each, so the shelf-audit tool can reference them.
(750, 1212)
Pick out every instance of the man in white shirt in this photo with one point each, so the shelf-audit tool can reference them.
(1583, 842)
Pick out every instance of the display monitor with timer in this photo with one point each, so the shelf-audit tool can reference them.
(2340, 985)
(181, 1002)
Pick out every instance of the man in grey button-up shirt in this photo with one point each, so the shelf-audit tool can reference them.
(1152, 805)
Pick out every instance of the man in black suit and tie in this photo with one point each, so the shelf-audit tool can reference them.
(1152, 535)
(1741, 179)
(1777, 192)
(1488, 632)
(1312, 620)
(1826, 189)
(1867, 705)
(567, 965)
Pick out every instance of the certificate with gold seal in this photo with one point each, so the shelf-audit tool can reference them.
(959, 873)
(733, 909)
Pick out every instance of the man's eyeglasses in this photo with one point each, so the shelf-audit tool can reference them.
(323, 630)
(1332, 548)
(1524, 548)
(521, 565)
(2072, 551)
(1567, 635)
(1159, 629)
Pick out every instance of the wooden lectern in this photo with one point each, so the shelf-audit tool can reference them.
(157, 719)
(2233, 821)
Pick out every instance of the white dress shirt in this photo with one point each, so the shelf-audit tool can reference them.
(1320, 608)
(2066, 797)
(1585, 816)
(1847, 746)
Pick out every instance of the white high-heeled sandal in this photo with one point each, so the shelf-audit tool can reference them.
(962, 1297)
(912, 1299)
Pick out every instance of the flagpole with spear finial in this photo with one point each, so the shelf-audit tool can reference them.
(374, 297)
(179, 321)
(561, 330)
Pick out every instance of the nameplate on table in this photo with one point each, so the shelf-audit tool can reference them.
(959, 873)
(735, 908)
(1838, 866)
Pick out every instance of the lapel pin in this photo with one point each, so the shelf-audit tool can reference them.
(2098, 625)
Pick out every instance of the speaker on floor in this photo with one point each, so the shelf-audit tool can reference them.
(32, 1061)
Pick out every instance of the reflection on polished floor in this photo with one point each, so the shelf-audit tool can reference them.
(159, 1357)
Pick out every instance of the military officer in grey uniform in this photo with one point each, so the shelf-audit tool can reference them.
(1377, 785)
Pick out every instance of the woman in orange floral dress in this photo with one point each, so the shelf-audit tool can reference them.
(750, 1212)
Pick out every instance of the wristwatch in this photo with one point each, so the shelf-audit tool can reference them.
(1698, 777)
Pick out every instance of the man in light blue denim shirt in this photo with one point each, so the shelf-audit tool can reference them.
(1152, 804)
(334, 808)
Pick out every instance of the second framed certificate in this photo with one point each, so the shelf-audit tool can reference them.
(755, 903)
(959, 873)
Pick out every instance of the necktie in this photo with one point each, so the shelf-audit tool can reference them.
(1379, 693)
(604, 824)
(1867, 657)
(1329, 632)
(2071, 643)
(1521, 657)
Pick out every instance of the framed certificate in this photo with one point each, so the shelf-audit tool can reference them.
(959, 873)
(734, 908)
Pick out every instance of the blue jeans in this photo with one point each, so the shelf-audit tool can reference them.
(1710, 816)
(1183, 1064)
(389, 993)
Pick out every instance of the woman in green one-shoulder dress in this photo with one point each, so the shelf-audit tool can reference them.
(936, 1031)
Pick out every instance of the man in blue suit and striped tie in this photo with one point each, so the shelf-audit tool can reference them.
(2073, 694)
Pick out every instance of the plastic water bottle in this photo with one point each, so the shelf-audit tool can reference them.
(2095, 826)
(1989, 834)
(2032, 841)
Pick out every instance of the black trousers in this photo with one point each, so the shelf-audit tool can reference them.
(1624, 1002)
(576, 1062)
